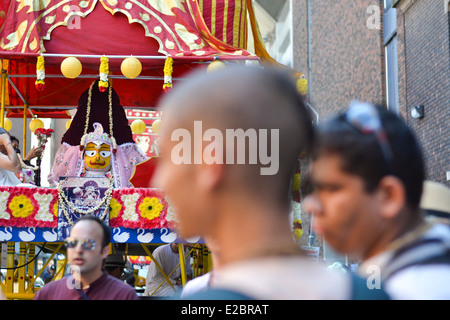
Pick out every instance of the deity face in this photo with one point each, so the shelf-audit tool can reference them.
(97, 156)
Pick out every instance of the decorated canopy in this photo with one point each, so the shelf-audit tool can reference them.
(189, 31)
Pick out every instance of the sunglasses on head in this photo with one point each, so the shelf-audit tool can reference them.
(86, 244)
(365, 117)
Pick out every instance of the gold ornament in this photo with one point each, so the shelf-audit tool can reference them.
(215, 65)
(131, 67)
(7, 124)
(156, 126)
(36, 124)
(138, 126)
(71, 67)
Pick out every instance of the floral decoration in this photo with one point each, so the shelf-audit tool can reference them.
(21, 206)
(40, 74)
(297, 229)
(134, 208)
(150, 208)
(168, 70)
(43, 135)
(114, 208)
(104, 70)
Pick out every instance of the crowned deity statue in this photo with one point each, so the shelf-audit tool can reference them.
(90, 147)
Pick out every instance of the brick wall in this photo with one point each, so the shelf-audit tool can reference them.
(424, 76)
(347, 62)
(347, 58)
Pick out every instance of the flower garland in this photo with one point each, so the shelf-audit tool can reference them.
(28, 207)
(168, 70)
(40, 74)
(138, 208)
(88, 113)
(104, 70)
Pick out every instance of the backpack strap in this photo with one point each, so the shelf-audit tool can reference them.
(423, 252)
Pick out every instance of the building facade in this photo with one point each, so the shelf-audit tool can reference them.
(390, 52)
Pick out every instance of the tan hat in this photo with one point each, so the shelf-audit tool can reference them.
(436, 198)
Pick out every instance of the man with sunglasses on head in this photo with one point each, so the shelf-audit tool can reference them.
(87, 248)
(367, 172)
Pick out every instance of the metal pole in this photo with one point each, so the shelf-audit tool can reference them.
(22, 262)
(157, 265)
(31, 254)
(182, 264)
(10, 265)
(2, 111)
(24, 139)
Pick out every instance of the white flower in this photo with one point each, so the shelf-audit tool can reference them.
(129, 213)
(171, 212)
(44, 201)
(3, 201)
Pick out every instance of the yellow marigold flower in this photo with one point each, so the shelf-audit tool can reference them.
(21, 206)
(55, 209)
(150, 208)
(114, 208)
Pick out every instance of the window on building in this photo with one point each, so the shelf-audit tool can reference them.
(279, 41)
(391, 56)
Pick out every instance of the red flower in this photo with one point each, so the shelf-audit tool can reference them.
(46, 132)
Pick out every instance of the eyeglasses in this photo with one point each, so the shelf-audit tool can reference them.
(86, 244)
(365, 117)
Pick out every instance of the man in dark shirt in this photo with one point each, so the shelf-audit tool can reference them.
(87, 247)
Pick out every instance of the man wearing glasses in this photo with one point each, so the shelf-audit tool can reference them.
(367, 173)
(87, 248)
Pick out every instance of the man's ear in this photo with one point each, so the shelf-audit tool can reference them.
(209, 176)
(105, 251)
(392, 196)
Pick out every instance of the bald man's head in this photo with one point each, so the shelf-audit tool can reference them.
(249, 119)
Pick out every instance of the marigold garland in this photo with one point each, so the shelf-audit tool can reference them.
(297, 229)
(40, 74)
(302, 85)
(168, 70)
(104, 70)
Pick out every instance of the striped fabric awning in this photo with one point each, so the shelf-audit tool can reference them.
(226, 20)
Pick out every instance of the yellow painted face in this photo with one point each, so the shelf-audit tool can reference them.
(97, 157)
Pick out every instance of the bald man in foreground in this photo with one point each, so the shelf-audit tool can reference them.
(230, 140)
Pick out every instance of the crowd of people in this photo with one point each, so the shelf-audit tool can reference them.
(367, 175)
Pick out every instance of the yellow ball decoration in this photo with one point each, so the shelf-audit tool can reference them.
(36, 124)
(215, 65)
(68, 123)
(71, 67)
(138, 126)
(131, 67)
(7, 124)
(156, 126)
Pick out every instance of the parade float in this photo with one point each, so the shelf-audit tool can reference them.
(111, 60)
